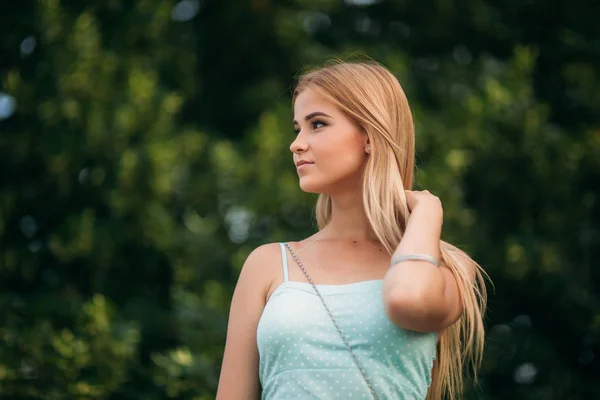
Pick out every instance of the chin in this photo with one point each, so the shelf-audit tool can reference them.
(310, 186)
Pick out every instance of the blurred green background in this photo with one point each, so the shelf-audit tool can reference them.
(144, 154)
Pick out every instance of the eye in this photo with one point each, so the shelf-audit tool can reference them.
(318, 124)
(296, 130)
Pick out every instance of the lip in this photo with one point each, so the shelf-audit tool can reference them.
(302, 163)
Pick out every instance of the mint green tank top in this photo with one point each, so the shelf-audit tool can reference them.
(303, 357)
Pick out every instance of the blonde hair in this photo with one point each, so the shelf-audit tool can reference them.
(372, 97)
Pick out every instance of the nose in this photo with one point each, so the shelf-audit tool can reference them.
(299, 144)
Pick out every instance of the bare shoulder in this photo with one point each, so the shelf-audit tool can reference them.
(264, 251)
(262, 267)
(239, 373)
(263, 258)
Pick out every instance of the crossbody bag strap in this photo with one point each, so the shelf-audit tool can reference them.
(337, 327)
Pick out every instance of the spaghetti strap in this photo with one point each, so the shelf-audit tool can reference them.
(284, 261)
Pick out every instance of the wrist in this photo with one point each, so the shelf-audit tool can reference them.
(422, 234)
(427, 215)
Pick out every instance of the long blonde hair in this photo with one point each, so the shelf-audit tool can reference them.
(372, 97)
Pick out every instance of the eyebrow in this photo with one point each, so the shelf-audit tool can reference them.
(312, 115)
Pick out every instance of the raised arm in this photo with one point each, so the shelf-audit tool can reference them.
(239, 372)
(417, 295)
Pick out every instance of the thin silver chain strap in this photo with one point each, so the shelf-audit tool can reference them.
(337, 327)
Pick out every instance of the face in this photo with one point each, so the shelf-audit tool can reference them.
(331, 144)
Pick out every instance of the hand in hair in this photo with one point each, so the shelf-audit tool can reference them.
(424, 200)
(418, 295)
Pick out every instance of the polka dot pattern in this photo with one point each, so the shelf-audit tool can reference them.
(303, 357)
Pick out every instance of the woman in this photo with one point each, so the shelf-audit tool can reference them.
(374, 305)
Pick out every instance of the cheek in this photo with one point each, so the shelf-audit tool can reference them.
(344, 160)
(336, 161)
(340, 165)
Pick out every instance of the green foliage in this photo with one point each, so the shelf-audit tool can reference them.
(149, 154)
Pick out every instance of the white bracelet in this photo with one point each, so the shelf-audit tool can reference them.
(415, 257)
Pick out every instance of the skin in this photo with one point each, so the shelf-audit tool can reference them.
(416, 295)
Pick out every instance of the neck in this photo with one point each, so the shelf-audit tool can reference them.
(348, 220)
